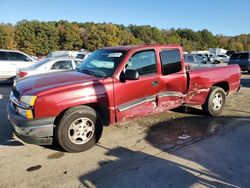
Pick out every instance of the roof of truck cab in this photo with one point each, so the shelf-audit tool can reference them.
(130, 47)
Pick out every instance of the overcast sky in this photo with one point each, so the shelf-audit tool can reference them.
(227, 17)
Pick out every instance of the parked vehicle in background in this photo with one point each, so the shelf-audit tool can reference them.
(204, 57)
(194, 61)
(11, 60)
(82, 55)
(48, 65)
(111, 85)
(71, 54)
(230, 52)
(221, 58)
(242, 59)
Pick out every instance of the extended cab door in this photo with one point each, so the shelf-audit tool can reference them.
(173, 80)
(137, 97)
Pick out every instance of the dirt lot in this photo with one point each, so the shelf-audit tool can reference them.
(181, 148)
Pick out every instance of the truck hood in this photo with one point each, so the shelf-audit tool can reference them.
(39, 83)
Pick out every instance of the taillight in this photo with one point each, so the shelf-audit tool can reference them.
(22, 74)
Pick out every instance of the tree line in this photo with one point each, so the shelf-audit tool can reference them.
(40, 38)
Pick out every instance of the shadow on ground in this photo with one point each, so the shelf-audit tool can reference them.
(206, 142)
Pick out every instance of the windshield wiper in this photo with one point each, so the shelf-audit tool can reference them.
(88, 72)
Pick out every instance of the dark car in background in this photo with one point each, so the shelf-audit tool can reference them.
(242, 59)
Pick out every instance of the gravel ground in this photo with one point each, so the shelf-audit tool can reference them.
(180, 148)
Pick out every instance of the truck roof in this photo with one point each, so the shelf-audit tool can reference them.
(130, 47)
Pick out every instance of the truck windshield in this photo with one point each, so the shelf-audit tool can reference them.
(102, 63)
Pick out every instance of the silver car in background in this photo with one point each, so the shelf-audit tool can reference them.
(48, 65)
(193, 61)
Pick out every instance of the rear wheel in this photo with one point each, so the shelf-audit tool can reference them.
(215, 101)
(78, 129)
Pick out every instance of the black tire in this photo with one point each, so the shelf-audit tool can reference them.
(248, 71)
(64, 129)
(216, 62)
(211, 107)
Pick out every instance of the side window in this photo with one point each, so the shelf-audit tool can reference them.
(143, 62)
(80, 56)
(198, 59)
(190, 58)
(3, 56)
(15, 56)
(77, 62)
(244, 56)
(62, 65)
(171, 61)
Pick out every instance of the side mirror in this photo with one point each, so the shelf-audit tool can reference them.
(131, 75)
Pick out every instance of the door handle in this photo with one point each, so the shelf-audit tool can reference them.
(155, 83)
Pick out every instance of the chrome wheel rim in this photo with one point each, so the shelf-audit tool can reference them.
(81, 131)
(217, 101)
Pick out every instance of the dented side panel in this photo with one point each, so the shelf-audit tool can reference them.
(201, 81)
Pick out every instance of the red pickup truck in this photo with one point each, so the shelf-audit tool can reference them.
(113, 84)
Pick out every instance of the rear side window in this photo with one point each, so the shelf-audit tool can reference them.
(62, 65)
(80, 56)
(15, 56)
(3, 56)
(244, 56)
(143, 62)
(234, 56)
(170, 61)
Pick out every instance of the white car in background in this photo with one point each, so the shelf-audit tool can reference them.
(72, 54)
(48, 65)
(221, 58)
(11, 60)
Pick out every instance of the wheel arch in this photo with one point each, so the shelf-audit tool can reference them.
(224, 85)
(102, 111)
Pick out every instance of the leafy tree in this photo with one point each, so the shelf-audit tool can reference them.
(7, 35)
(69, 36)
(40, 38)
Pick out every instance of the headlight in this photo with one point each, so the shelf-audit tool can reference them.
(25, 106)
(28, 99)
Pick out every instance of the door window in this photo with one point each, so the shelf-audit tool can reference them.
(170, 61)
(3, 56)
(15, 56)
(62, 65)
(199, 60)
(143, 62)
(244, 56)
(190, 59)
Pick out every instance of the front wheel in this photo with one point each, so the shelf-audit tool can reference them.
(79, 129)
(215, 101)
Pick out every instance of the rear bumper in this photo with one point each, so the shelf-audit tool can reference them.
(37, 131)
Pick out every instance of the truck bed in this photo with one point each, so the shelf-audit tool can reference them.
(201, 80)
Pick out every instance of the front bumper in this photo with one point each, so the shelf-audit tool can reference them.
(37, 131)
